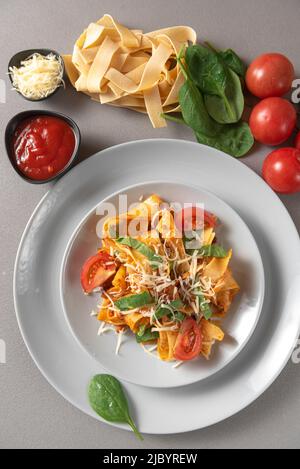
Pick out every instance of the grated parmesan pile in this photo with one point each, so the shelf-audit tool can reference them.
(38, 76)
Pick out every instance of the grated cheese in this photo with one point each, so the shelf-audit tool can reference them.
(38, 76)
(119, 341)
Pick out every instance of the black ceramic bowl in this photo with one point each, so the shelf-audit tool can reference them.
(16, 60)
(17, 119)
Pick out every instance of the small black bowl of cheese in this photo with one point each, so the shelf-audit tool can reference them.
(36, 74)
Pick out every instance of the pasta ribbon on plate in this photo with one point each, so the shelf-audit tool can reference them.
(165, 293)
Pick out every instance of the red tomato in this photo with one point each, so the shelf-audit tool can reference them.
(192, 218)
(297, 141)
(272, 121)
(281, 170)
(189, 341)
(97, 270)
(270, 75)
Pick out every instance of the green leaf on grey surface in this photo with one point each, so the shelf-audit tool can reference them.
(206, 69)
(234, 139)
(216, 80)
(216, 105)
(107, 399)
(193, 110)
(233, 61)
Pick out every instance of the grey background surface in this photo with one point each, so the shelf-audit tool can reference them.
(32, 414)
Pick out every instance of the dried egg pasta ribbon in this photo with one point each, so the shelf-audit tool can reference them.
(126, 68)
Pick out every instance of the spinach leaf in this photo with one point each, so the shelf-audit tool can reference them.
(141, 330)
(233, 61)
(107, 399)
(146, 336)
(209, 250)
(211, 74)
(178, 316)
(142, 248)
(235, 139)
(217, 82)
(205, 307)
(134, 301)
(193, 109)
(217, 107)
(206, 70)
(163, 311)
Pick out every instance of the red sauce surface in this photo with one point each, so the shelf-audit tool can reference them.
(43, 145)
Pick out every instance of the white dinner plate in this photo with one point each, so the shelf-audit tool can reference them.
(132, 363)
(37, 281)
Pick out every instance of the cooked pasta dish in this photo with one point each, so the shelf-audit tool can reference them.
(168, 284)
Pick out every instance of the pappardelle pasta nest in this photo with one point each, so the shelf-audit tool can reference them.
(126, 68)
(158, 285)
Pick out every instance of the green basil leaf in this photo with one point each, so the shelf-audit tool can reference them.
(210, 250)
(233, 61)
(147, 336)
(217, 106)
(107, 399)
(234, 139)
(142, 248)
(134, 301)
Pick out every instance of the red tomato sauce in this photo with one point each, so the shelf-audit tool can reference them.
(43, 145)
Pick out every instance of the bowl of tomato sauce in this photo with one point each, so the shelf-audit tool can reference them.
(42, 145)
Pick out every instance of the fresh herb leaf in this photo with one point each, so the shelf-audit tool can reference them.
(173, 118)
(210, 73)
(235, 139)
(142, 248)
(233, 61)
(217, 107)
(206, 70)
(163, 311)
(147, 336)
(178, 316)
(209, 250)
(107, 399)
(141, 330)
(204, 306)
(129, 302)
(193, 110)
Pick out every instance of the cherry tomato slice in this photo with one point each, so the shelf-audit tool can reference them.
(189, 341)
(192, 218)
(97, 270)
